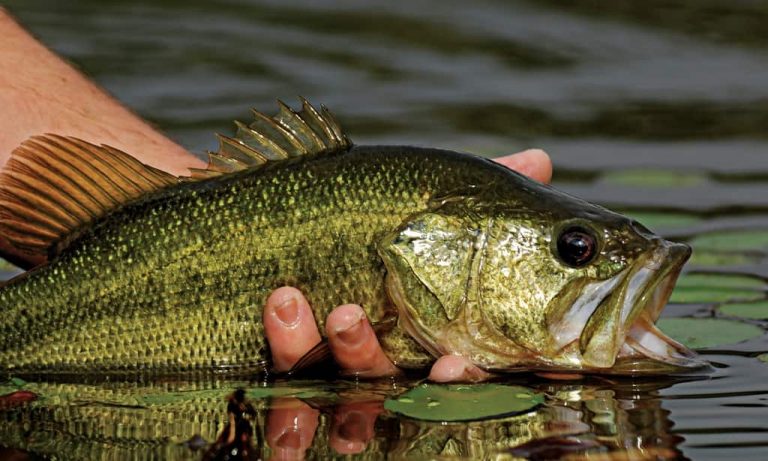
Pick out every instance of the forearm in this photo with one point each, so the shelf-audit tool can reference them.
(40, 93)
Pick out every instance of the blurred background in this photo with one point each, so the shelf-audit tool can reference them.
(677, 85)
(656, 108)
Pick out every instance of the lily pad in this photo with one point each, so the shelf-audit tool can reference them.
(716, 258)
(12, 385)
(751, 240)
(700, 333)
(643, 177)
(763, 358)
(712, 288)
(756, 310)
(461, 402)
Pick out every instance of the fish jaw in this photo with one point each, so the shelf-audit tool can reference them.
(611, 328)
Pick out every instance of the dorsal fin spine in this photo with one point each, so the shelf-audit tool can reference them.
(293, 123)
(315, 121)
(333, 124)
(293, 144)
(245, 133)
(269, 139)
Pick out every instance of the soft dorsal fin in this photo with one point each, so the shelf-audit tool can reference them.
(53, 186)
(287, 134)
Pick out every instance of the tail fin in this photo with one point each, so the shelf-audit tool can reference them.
(53, 186)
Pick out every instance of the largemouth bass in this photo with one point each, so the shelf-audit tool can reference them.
(137, 271)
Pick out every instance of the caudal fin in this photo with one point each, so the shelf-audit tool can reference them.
(53, 186)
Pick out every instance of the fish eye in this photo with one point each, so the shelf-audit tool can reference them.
(576, 246)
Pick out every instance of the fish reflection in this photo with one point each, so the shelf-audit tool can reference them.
(580, 420)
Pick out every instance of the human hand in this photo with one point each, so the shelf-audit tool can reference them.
(291, 329)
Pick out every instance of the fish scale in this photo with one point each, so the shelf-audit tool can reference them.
(447, 253)
(194, 265)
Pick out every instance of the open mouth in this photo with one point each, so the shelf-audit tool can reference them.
(611, 327)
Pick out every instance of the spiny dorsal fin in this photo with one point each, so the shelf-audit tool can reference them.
(53, 186)
(287, 134)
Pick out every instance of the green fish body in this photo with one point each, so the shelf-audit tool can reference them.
(461, 251)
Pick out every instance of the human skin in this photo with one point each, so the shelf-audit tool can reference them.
(41, 93)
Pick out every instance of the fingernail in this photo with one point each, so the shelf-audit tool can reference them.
(288, 312)
(352, 334)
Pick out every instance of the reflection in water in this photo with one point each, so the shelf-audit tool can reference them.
(183, 420)
(236, 439)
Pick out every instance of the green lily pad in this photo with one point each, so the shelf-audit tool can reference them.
(752, 240)
(700, 333)
(756, 310)
(654, 178)
(704, 257)
(713, 288)
(462, 402)
(763, 358)
(12, 385)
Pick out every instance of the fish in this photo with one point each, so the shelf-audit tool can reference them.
(136, 272)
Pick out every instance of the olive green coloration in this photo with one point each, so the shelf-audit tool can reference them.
(469, 256)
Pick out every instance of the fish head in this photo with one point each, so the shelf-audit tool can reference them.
(536, 280)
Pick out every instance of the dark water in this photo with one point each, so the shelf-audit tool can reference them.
(656, 108)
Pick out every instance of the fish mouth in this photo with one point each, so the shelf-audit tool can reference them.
(611, 327)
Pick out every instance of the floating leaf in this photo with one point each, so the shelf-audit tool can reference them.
(756, 310)
(704, 257)
(12, 385)
(654, 178)
(712, 288)
(751, 240)
(763, 358)
(700, 333)
(461, 402)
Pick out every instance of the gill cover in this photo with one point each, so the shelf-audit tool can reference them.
(434, 267)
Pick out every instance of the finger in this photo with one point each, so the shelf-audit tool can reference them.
(534, 163)
(290, 428)
(289, 326)
(354, 344)
(455, 368)
(353, 426)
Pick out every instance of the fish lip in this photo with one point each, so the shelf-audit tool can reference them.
(633, 344)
